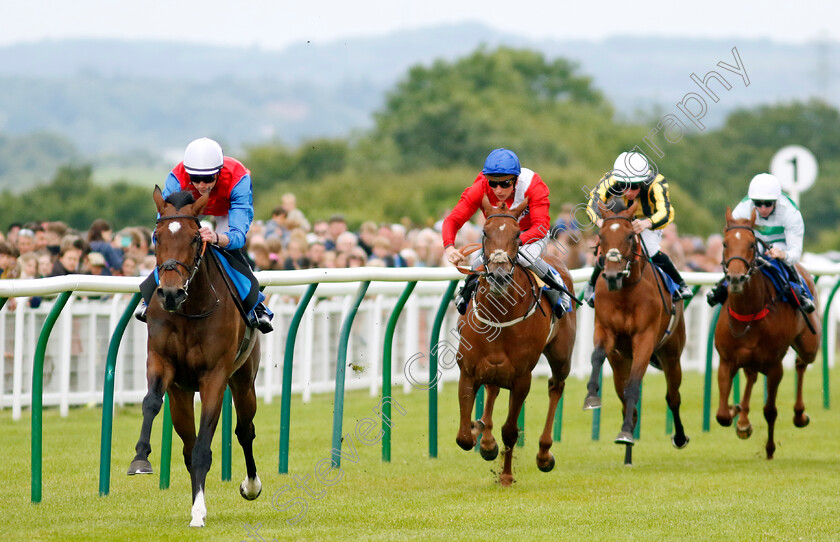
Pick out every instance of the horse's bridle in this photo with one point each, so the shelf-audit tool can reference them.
(172, 264)
(490, 258)
(752, 263)
(614, 255)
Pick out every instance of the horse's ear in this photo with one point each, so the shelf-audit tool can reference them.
(729, 218)
(485, 206)
(602, 209)
(631, 212)
(753, 217)
(519, 209)
(199, 205)
(158, 197)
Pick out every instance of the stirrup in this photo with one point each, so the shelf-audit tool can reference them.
(262, 321)
(807, 304)
(589, 295)
(683, 292)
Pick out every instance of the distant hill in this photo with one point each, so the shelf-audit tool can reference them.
(116, 98)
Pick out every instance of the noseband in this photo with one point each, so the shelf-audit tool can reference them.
(173, 264)
(614, 255)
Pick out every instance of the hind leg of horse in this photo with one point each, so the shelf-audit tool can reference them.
(510, 430)
(673, 379)
(725, 375)
(212, 390)
(800, 419)
(158, 380)
(545, 459)
(245, 402)
(488, 447)
(774, 377)
(599, 354)
(806, 346)
(467, 436)
(743, 427)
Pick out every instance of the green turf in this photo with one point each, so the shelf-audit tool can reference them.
(718, 488)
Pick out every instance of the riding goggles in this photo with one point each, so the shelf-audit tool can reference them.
(763, 202)
(507, 183)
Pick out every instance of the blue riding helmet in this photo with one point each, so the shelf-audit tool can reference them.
(502, 162)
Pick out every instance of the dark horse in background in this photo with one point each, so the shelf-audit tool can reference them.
(755, 330)
(197, 342)
(636, 324)
(509, 324)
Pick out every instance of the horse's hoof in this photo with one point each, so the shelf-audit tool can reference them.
(591, 402)
(806, 420)
(679, 446)
(549, 465)
(250, 489)
(624, 437)
(140, 466)
(489, 455)
(743, 432)
(506, 480)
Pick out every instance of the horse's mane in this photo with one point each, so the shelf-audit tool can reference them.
(180, 199)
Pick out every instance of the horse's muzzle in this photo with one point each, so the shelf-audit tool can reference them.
(171, 299)
(737, 282)
(613, 280)
(499, 280)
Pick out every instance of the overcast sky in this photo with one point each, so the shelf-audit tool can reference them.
(275, 24)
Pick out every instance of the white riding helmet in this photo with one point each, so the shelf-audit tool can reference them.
(203, 157)
(765, 187)
(632, 167)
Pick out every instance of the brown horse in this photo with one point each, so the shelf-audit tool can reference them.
(755, 330)
(508, 326)
(197, 342)
(636, 324)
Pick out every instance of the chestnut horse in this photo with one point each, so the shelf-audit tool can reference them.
(755, 330)
(197, 342)
(636, 324)
(509, 324)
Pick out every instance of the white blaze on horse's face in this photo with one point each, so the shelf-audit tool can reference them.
(737, 235)
(614, 227)
(502, 227)
(174, 227)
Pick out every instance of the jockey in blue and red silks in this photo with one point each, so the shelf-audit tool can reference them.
(503, 180)
(204, 170)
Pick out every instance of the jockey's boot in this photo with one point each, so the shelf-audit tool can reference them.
(717, 294)
(798, 286)
(554, 281)
(804, 301)
(466, 293)
(589, 291)
(262, 319)
(140, 313)
(664, 262)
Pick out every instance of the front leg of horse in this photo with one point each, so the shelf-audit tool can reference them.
(151, 407)
(593, 399)
(743, 426)
(466, 437)
(212, 393)
(774, 377)
(673, 378)
(488, 447)
(725, 411)
(510, 430)
(632, 392)
(245, 402)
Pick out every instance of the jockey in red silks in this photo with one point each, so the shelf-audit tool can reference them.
(204, 170)
(503, 180)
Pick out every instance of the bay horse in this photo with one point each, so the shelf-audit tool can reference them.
(755, 330)
(636, 325)
(197, 341)
(509, 324)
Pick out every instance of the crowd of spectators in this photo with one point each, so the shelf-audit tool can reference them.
(289, 240)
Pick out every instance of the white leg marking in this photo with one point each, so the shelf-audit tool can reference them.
(199, 511)
(251, 489)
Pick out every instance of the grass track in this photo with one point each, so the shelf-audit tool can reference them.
(718, 488)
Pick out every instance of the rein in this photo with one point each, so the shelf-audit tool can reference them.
(172, 265)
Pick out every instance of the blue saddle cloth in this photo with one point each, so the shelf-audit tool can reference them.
(669, 282)
(775, 271)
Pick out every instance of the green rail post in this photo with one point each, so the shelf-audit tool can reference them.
(38, 393)
(386, 370)
(479, 411)
(165, 444)
(108, 397)
(558, 420)
(825, 353)
(433, 369)
(3, 301)
(227, 421)
(520, 440)
(707, 378)
(596, 413)
(340, 371)
(637, 430)
(286, 391)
